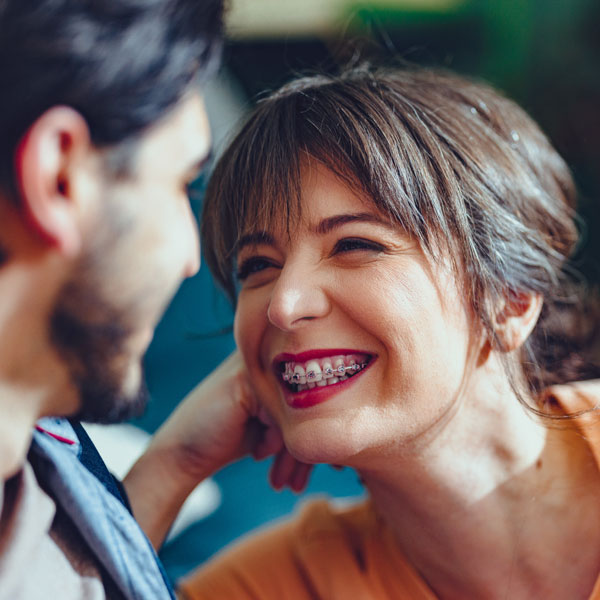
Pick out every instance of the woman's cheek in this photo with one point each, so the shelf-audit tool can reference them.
(247, 330)
(240, 328)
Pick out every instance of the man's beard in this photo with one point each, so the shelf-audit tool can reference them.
(91, 338)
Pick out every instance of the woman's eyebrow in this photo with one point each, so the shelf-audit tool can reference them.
(331, 223)
(254, 239)
(325, 226)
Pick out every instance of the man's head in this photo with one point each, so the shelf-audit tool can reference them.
(101, 130)
(122, 64)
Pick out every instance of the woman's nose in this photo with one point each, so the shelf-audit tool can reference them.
(296, 298)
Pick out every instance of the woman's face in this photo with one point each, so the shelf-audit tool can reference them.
(355, 343)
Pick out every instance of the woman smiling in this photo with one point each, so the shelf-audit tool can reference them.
(399, 242)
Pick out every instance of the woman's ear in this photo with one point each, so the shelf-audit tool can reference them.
(516, 318)
(46, 162)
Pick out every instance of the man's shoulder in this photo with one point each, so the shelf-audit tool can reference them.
(26, 518)
(83, 489)
(26, 509)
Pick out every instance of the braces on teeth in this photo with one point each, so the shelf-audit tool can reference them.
(339, 371)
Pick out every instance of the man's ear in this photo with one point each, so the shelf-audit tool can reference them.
(46, 161)
(516, 319)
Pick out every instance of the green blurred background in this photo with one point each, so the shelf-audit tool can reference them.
(542, 53)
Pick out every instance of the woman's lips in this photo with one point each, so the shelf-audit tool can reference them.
(316, 353)
(312, 377)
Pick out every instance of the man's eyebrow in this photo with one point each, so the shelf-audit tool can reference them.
(254, 239)
(331, 223)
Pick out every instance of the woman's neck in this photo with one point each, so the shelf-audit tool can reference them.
(493, 503)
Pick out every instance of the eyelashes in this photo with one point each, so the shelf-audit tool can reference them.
(252, 265)
(350, 244)
(257, 264)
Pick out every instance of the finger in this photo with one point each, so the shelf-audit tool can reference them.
(300, 476)
(271, 442)
(253, 436)
(264, 416)
(282, 469)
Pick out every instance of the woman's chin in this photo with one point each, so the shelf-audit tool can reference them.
(312, 444)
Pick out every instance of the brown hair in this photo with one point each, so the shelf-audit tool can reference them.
(454, 163)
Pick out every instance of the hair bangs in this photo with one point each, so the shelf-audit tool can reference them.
(374, 139)
(345, 126)
(255, 188)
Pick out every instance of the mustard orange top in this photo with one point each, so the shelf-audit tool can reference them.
(333, 553)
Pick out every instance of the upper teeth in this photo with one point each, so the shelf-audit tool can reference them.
(314, 370)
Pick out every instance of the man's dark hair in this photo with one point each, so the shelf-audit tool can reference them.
(121, 63)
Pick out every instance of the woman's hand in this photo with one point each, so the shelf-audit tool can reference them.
(218, 422)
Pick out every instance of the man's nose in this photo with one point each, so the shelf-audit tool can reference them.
(192, 259)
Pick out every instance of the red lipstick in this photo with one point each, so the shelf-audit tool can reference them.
(318, 353)
(312, 396)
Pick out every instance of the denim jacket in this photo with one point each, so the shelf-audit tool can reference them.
(71, 471)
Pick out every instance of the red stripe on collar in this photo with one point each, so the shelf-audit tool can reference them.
(60, 438)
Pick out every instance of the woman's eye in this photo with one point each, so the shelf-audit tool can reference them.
(253, 265)
(350, 244)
